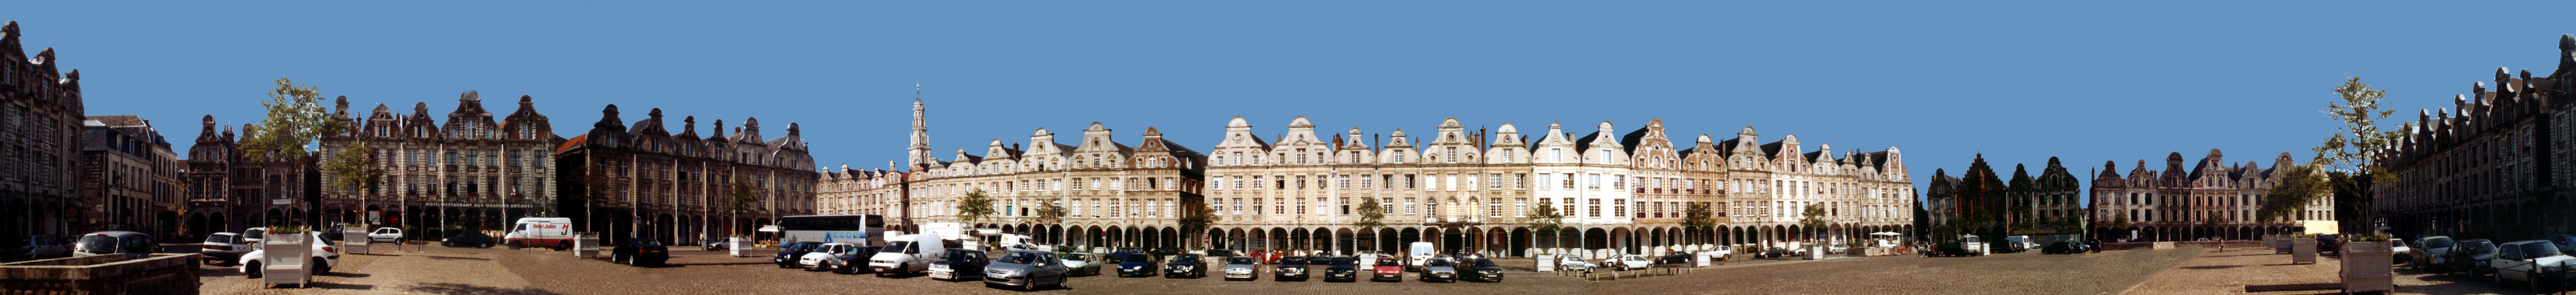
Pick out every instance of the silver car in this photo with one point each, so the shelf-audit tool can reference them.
(1243, 267)
(1081, 263)
(1441, 268)
(1026, 269)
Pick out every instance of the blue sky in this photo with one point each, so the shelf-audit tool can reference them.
(2018, 82)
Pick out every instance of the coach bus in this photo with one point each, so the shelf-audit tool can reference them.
(860, 229)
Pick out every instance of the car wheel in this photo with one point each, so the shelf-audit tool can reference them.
(252, 269)
(321, 266)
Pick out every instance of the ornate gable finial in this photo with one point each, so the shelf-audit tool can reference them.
(792, 129)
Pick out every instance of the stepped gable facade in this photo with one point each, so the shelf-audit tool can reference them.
(39, 192)
(2175, 204)
(471, 171)
(641, 180)
(1468, 189)
(2494, 165)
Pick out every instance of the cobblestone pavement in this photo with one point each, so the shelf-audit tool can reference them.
(385, 271)
(2108, 272)
(2228, 272)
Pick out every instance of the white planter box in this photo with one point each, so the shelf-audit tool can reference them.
(585, 246)
(734, 245)
(2366, 267)
(287, 271)
(2303, 250)
(1546, 263)
(354, 240)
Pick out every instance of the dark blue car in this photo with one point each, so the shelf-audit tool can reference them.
(1136, 265)
(788, 254)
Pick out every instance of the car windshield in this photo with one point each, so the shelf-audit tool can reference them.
(219, 239)
(97, 244)
(1077, 257)
(2437, 243)
(1020, 258)
(1388, 262)
(954, 255)
(1136, 258)
(1484, 263)
(905, 245)
(1239, 260)
(1220, 253)
(2477, 247)
(1345, 261)
(1437, 262)
(647, 243)
(1292, 261)
(2539, 249)
(1186, 258)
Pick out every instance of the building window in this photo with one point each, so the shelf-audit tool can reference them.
(1595, 209)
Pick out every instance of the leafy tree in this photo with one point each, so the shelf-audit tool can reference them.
(2355, 144)
(737, 199)
(295, 118)
(1547, 221)
(2119, 221)
(2299, 185)
(974, 206)
(1814, 218)
(1049, 213)
(1698, 218)
(354, 171)
(2215, 219)
(1372, 216)
(1197, 219)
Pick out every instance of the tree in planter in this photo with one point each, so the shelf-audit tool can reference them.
(2299, 185)
(1814, 219)
(1697, 217)
(1547, 221)
(737, 199)
(354, 171)
(1196, 221)
(2355, 145)
(295, 119)
(974, 206)
(1372, 216)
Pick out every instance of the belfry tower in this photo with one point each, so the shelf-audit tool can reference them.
(920, 134)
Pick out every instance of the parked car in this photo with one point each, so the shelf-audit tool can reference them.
(2566, 243)
(223, 248)
(910, 254)
(813, 260)
(1774, 252)
(1185, 264)
(40, 247)
(1573, 263)
(849, 261)
(324, 256)
(1120, 255)
(1628, 262)
(1165, 253)
(788, 254)
(1484, 270)
(1137, 264)
(1343, 268)
(1289, 267)
(254, 235)
(1219, 254)
(2330, 245)
(2536, 263)
(1388, 269)
(1442, 268)
(1676, 257)
(385, 235)
(2470, 256)
(132, 244)
(2432, 253)
(1027, 269)
(1268, 256)
(2398, 251)
(712, 244)
(468, 239)
(959, 264)
(641, 252)
(2062, 248)
(1081, 263)
(1244, 267)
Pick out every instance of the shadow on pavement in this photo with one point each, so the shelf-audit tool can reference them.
(339, 286)
(724, 263)
(2213, 266)
(456, 258)
(454, 288)
(347, 275)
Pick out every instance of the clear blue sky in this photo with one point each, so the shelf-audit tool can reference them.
(2018, 82)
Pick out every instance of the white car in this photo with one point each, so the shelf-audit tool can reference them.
(221, 248)
(813, 260)
(2535, 263)
(1572, 263)
(325, 256)
(1082, 263)
(385, 235)
(1628, 262)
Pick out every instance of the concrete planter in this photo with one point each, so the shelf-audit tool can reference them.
(2366, 267)
(586, 246)
(354, 240)
(1546, 263)
(2280, 245)
(1815, 252)
(103, 274)
(2303, 250)
(296, 271)
(734, 245)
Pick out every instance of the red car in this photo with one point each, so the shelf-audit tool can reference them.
(1389, 269)
(1268, 256)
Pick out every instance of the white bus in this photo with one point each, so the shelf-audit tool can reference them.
(858, 229)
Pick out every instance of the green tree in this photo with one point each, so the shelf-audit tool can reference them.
(2355, 144)
(974, 206)
(353, 170)
(1814, 219)
(1697, 217)
(737, 199)
(1049, 213)
(2215, 219)
(1372, 216)
(2299, 185)
(2119, 221)
(1547, 221)
(1197, 219)
(296, 117)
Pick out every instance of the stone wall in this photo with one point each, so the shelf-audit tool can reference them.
(102, 274)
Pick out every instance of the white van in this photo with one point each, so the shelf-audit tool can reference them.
(906, 254)
(540, 232)
(1419, 254)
